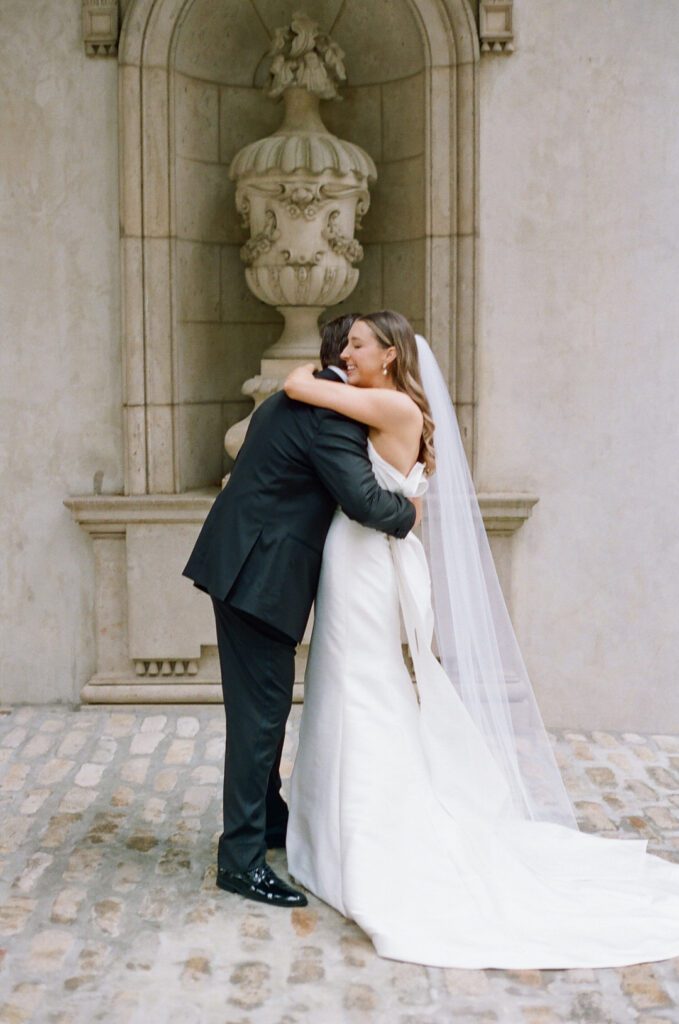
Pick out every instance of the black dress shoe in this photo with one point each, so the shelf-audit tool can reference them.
(261, 884)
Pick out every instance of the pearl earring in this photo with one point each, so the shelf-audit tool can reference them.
(384, 369)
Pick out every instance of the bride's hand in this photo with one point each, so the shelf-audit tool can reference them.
(297, 378)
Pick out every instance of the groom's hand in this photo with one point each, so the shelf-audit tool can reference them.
(417, 502)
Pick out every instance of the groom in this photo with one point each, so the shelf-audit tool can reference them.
(258, 556)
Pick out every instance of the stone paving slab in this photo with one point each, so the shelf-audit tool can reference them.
(109, 909)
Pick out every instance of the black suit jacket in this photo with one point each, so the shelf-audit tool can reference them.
(261, 544)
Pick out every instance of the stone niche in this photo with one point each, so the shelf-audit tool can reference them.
(190, 96)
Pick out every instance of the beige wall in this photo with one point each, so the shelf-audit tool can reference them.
(579, 360)
(381, 110)
(60, 373)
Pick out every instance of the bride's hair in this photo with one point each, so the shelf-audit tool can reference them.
(392, 329)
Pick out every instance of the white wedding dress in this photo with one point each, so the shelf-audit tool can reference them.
(398, 814)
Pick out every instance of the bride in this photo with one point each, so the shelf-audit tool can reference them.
(437, 820)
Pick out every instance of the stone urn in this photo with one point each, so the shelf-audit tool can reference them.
(301, 192)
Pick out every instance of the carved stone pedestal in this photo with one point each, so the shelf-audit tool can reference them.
(155, 632)
(155, 637)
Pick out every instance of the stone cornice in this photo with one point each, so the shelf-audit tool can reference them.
(111, 513)
(503, 512)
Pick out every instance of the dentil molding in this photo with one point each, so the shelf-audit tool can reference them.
(496, 26)
(101, 27)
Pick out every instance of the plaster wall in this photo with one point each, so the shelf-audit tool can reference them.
(60, 372)
(579, 360)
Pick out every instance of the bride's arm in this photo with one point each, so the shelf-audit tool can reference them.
(377, 407)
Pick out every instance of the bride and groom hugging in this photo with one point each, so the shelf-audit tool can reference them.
(259, 557)
(438, 821)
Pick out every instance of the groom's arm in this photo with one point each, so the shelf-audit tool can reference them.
(340, 458)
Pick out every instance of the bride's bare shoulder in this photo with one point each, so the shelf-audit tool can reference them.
(406, 420)
(409, 407)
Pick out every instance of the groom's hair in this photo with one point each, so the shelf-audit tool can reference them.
(334, 338)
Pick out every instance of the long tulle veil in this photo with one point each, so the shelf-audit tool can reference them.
(475, 639)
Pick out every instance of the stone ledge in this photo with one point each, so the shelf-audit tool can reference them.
(110, 513)
(121, 691)
(115, 690)
(503, 512)
(138, 537)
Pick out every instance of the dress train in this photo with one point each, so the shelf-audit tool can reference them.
(400, 818)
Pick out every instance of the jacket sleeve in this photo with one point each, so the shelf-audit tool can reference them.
(340, 458)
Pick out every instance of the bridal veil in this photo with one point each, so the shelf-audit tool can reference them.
(475, 639)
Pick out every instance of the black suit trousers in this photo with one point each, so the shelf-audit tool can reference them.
(258, 668)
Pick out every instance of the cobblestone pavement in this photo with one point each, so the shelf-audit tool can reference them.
(109, 911)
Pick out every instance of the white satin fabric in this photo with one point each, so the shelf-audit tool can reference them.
(400, 818)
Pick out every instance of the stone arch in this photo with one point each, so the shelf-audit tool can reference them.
(151, 30)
